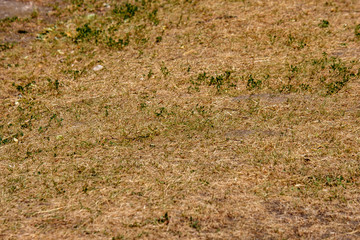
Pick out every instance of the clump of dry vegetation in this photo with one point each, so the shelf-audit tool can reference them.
(209, 119)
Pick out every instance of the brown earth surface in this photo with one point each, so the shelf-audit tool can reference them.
(180, 119)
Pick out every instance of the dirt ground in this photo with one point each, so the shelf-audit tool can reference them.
(180, 119)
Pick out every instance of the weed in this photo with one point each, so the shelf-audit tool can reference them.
(287, 88)
(150, 74)
(118, 237)
(143, 105)
(53, 84)
(158, 39)
(9, 19)
(294, 42)
(201, 110)
(202, 77)
(113, 32)
(338, 70)
(4, 141)
(85, 33)
(252, 83)
(357, 30)
(26, 88)
(332, 75)
(125, 10)
(305, 87)
(42, 35)
(6, 46)
(272, 39)
(302, 44)
(75, 74)
(324, 24)
(164, 70)
(34, 14)
(57, 119)
(85, 188)
(77, 3)
(152, 17)
(161, 112)
(220, 82)
(290, 40)
(164, 219)
(329, 180)
(294, 69)
(334, 87)
(120, 43)
(194, 223)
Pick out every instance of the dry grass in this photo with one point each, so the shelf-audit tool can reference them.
(210, 120)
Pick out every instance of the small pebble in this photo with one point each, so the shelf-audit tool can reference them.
(98, 68)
